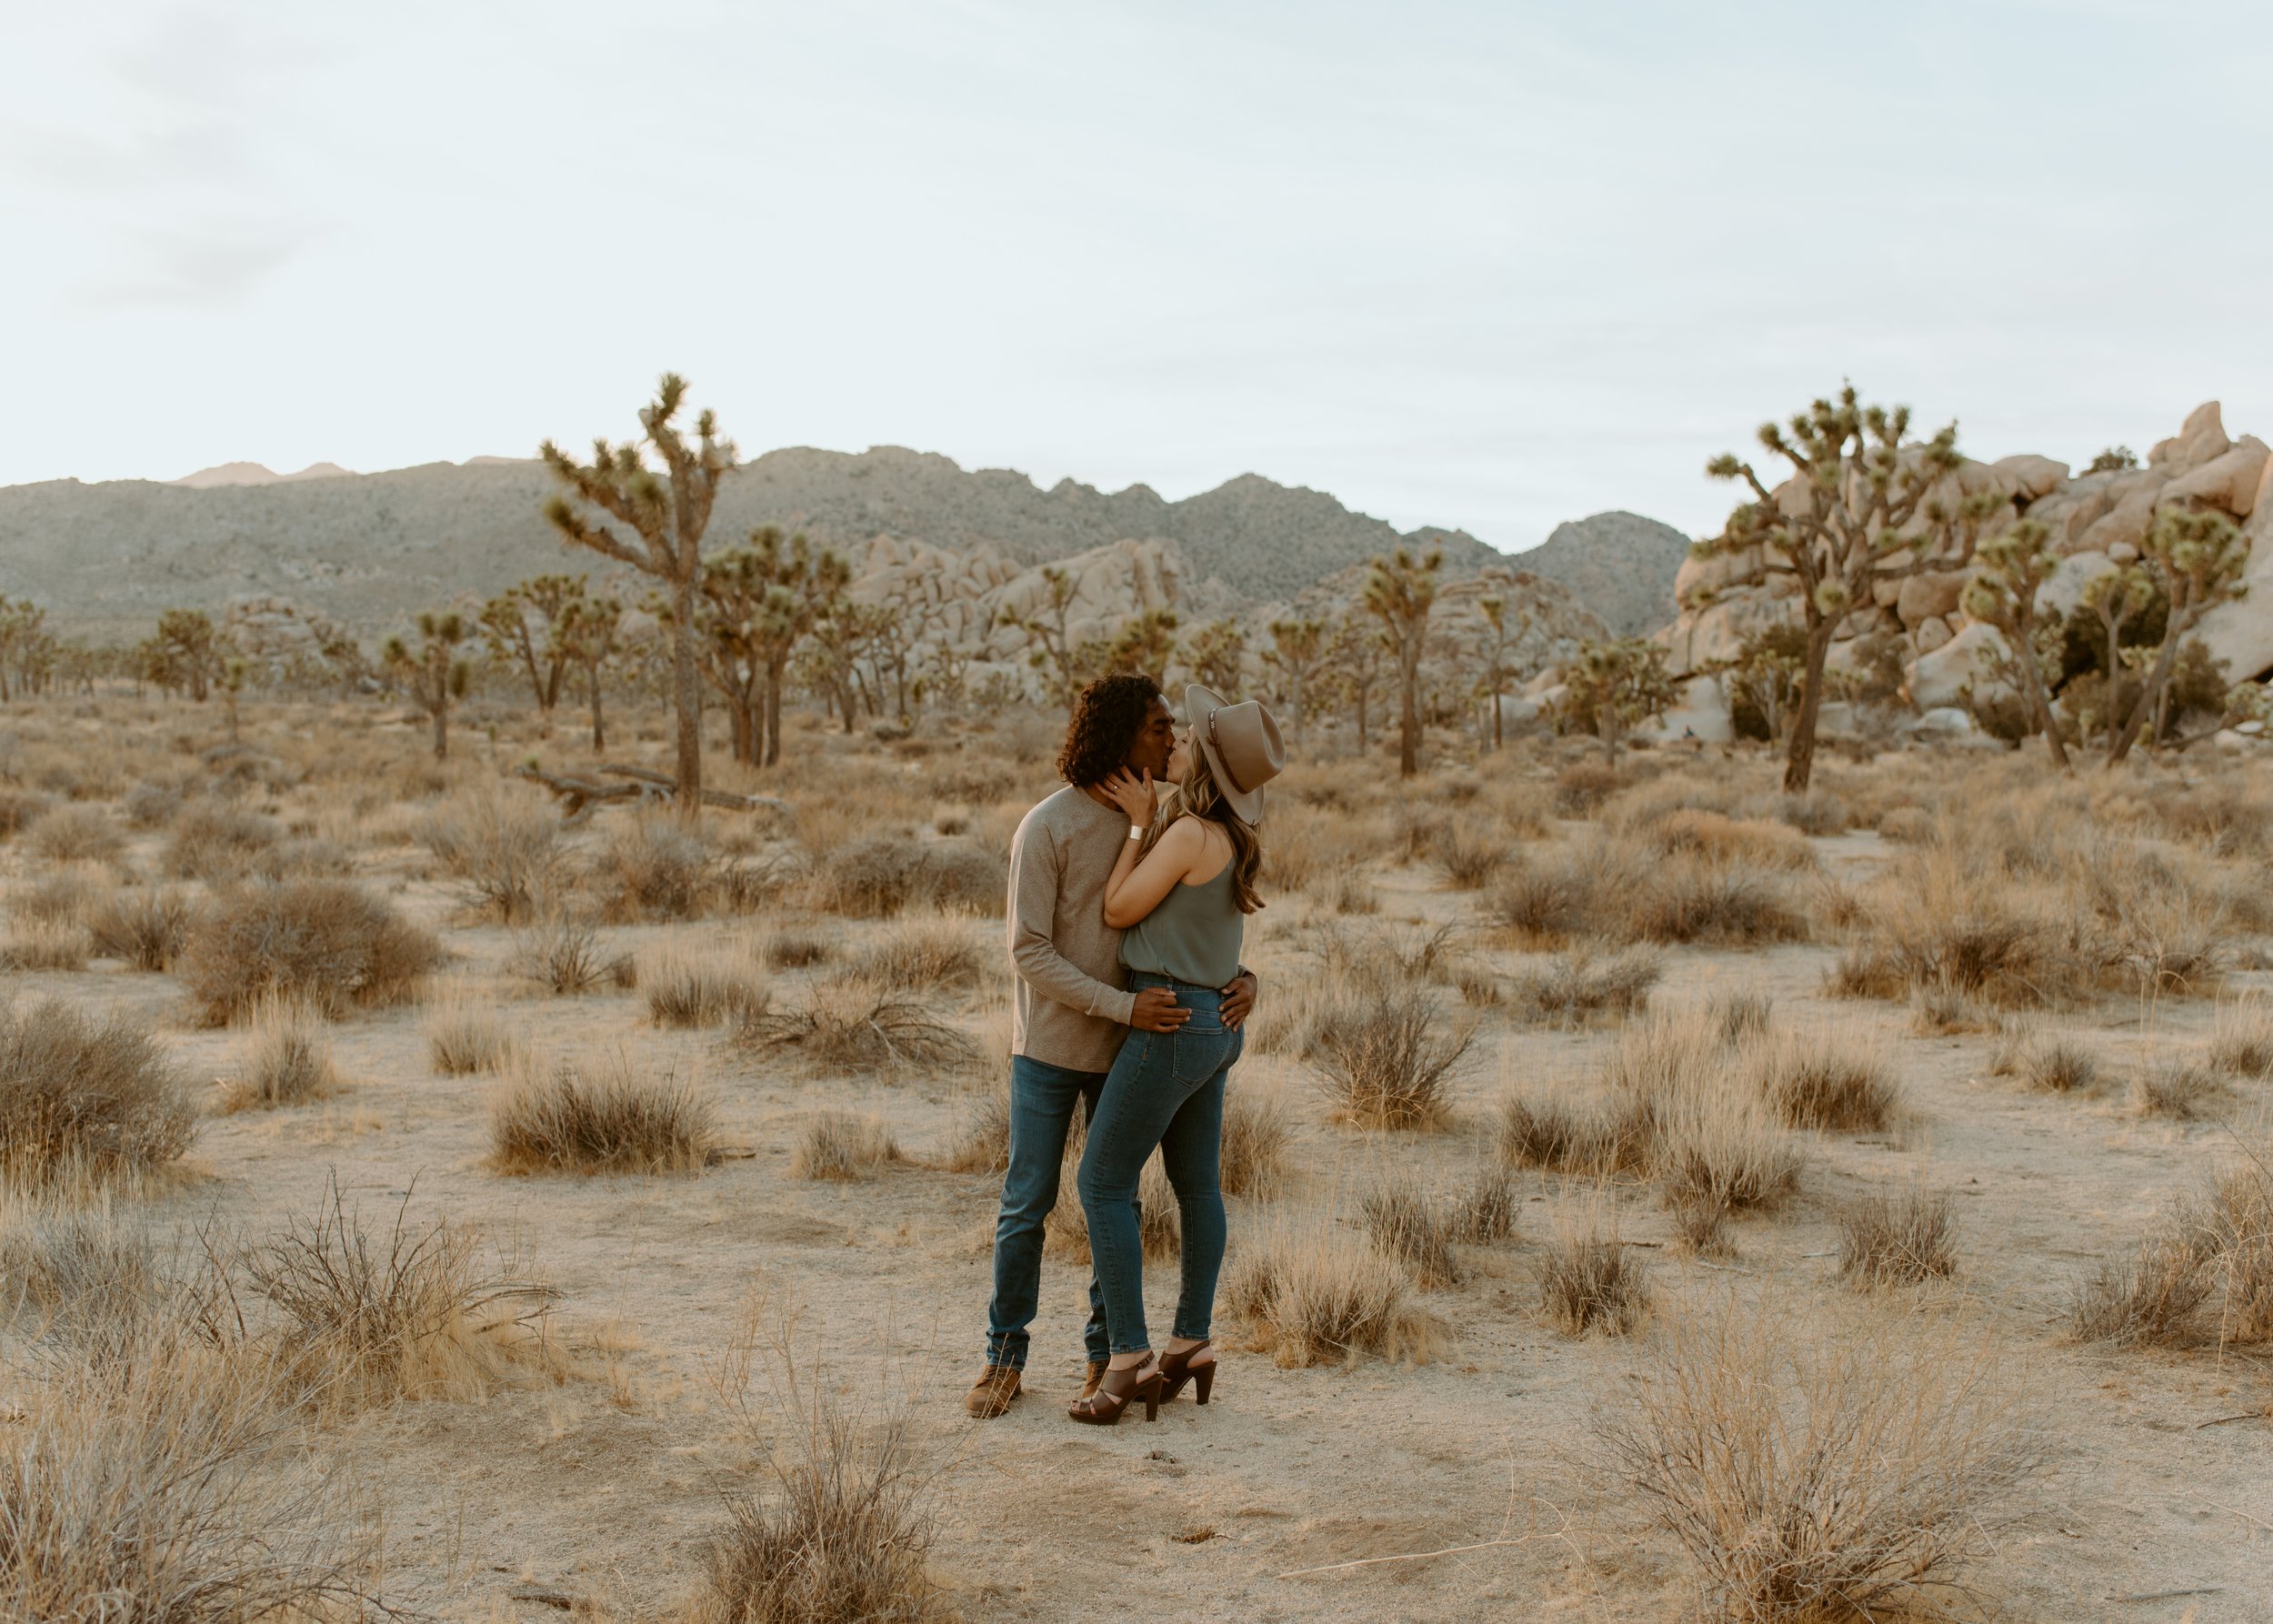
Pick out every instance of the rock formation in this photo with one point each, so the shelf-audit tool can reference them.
(2096, 522)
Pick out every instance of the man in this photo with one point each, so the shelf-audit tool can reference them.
(1071, 1010)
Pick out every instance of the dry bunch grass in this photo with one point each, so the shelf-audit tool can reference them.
(504, 848)
(855, 1024)
(877, 876)
(1405, 1222)
(465, 1034)
(2241, 1039)
(1576, 987)
(1469, 851)
(796, 949)
(1310, 1294)
(1387, 1057)
(1742, 1015)
(1621, 890)
(1258, 1128)
(687, 988)
(839, 1145)
(365, 1318)
(44, 945)
(925, 956)
(144, 926)
(1822, 1080)
(325, 940)
(1590, 1280)
(284, 1058)
(1899, 1239)
(2047, 1063)
(656, 869)
(1821, 1477)
(841, 1533)
(556, 1115)
(1593, 1136)
(2179, 1089)
(983, 1140)
(2217, 1248)
(562, 952)
(76, 834)
(80, 1097)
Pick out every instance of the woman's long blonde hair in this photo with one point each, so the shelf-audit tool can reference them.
(1198, 796)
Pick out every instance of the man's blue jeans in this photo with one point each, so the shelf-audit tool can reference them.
(1042, 1101)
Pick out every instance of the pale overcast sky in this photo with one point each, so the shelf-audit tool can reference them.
(1480, 264)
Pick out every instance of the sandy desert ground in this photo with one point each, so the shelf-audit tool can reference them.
(1942, 941)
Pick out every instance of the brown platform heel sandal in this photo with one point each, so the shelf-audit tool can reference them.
(1176, 1369)
(1116, 1390)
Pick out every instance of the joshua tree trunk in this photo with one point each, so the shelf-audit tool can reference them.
(599, 726)
(2039, 700)
(1799, 757)
(776, 670)
(2149, 696)
(1408, 716)
(442, 732)
(686, 697)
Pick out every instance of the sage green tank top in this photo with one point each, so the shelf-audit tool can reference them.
(1194, 934)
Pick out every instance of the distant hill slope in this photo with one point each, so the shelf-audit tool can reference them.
(366, 548)
(1619, 564)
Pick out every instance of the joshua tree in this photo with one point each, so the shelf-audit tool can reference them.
(1765, 675)
(507, 629)
(2195, 561)
(2115, 459)
(1862, 507)
(1401, 590)
(1496, 621)
(1298, 652)
(1622, 682)
(231, 682)
(190, 649)
(667, 513)
(1216, 653)
(27, 651)
(1144, 643)
(1355, 660)
(2014, 564)
(434, 671)
(1050, 645)
(757, 603)
(584, 637)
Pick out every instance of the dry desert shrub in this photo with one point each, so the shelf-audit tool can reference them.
(1257, 1128)
(2152, 1297)
(982, 1143)
(655, 870)
(1821, 1080)
(328, 941)
(1590, 1280)
(1387, 1056)
(82, 1097)
(1405, 1222)
(1310, 1294)
(2179, 1089)
(1621, 890)
(1485, 1213)
(1900, 1239)
(62, 897)
(554, 1116)
(2225, 818)
(214, 842)
(2044, 1061)
(76, 834)
(170, 1486)
(367, 1316)
(465, 1034)
(504, 847)
(1715, 1143)
(1594, 1136)
(854, 1025)
(284, 1058)
(925, 956)
(841, 1531)
(1821, 1477)
(151, 805)
(2241, 1039)
(797, 948)
(44, 945)
(839, 1145)
(1742, 1015)
(144, 926)
(877, 876)
(1575, 987)
(20, 810)
(686, 988)
(2239, 1216)
(1581, 788)
(562, 952)
(1159, 1217)
(1468, 850)
(1747, 842)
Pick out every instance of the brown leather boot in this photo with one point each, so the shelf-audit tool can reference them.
(1097, 1368)
(991, 1394)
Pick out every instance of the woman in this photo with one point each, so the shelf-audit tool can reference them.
(1180, 892)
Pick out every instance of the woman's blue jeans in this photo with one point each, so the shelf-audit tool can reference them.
(1165, 1089)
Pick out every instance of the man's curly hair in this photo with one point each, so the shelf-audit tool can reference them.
(1108, 717)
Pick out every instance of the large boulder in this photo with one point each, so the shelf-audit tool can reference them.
(2241, 633)
(1969, 658)
(1932, 595)
(1699, 580)
(2032, 476)
(1931, 634)
(1701, 713)
(2124, 525)
(1705, 637)
(2228, 481)
(2198, 440)
(2064, 590)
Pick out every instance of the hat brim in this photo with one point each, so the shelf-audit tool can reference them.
(1200, 703)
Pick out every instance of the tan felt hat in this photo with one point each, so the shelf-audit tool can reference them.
(1242, 746)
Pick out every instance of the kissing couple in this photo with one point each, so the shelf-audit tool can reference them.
(1125, 918)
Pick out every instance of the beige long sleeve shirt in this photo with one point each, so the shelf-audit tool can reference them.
(1071, 1008)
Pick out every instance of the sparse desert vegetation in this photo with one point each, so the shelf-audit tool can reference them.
(348, 1080)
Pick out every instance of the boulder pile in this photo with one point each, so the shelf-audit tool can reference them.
(2097, 520)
